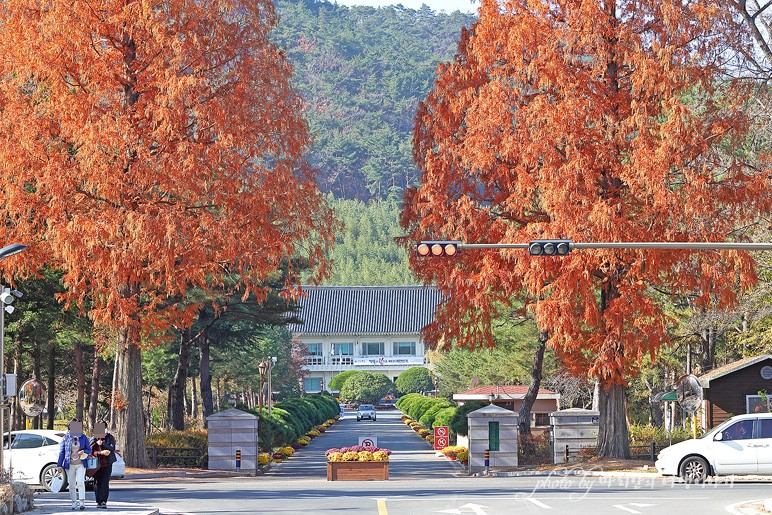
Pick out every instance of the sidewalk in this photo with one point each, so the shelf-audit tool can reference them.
(62, 507)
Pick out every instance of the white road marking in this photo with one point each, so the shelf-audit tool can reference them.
(538, 503)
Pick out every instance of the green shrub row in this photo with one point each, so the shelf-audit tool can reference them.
(292, 418)
(428, 411)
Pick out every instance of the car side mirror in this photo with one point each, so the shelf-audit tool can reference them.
(718, 436)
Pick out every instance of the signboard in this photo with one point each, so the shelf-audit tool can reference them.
(441, 437)
(385, 361)
(368, 441)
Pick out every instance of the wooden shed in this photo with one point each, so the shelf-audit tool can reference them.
(737, 388)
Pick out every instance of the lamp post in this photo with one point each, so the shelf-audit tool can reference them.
(261, 368)
(271, 362)
(7, 298)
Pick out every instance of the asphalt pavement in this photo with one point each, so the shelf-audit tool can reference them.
(412, 461)
(61, 505)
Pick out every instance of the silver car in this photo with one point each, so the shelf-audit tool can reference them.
(366, 411)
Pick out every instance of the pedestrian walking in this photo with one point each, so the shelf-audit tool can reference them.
(73, 450)
(103, 447)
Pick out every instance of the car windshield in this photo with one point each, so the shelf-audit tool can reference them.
(366, 406)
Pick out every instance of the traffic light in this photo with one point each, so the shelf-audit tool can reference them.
(550, 247)
(437, 248)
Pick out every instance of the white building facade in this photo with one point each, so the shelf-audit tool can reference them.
(373, 328)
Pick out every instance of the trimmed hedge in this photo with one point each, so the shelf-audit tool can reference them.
(292, 418)
(427, 419)
(425, 409)
(458, 422)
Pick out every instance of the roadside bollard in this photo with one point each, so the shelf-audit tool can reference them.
(238, 460)
(487, 461)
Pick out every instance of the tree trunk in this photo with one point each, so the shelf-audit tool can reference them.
(80, 378)
(176, 408)
(194, 393)
(51, 406)
(93, 405)
(613, 441)
(130, 426)
(533, 390)
(206, 377)
(37, 422)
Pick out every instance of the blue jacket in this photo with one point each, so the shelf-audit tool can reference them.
(66, 445)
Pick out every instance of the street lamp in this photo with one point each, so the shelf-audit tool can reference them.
(6, 297)
(262, 368)
(271, 362)
(491, 397)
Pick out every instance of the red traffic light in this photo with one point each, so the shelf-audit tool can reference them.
(437, 248)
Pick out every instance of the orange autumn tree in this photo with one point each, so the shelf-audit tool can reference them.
(596, 121)
(148, 148)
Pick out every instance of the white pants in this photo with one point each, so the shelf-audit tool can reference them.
(76, 478)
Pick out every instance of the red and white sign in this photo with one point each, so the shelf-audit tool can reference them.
(441, 437)
(368, 441)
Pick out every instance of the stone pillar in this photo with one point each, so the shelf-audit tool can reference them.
(489, 426)
(575, 428)
(230, 431)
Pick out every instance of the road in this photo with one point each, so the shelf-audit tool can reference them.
(421, 483)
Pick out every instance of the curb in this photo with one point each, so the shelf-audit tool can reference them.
(566, 473)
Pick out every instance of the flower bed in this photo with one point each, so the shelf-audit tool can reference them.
(357, 463)
(357, 453)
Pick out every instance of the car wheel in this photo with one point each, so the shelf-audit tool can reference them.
(694, 470)
(374, 419)
(358, 419)
(48, 473)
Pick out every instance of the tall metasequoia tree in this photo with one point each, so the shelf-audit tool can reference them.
(596, 121)
(148, 148)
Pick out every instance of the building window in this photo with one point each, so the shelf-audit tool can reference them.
(342, 353)
(312, 384)
(541, 419)
(758, 404)
(343, 349)
(493, 436)
(404, 348)
(314, 355)
(372, 349)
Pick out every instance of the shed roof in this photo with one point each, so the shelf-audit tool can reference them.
(502, 392)
(721, 371)
(363, 310)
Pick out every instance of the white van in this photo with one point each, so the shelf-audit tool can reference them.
(741, 445)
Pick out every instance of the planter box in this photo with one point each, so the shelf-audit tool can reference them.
(357, 470)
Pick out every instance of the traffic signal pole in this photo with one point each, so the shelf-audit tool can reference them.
(678, 245)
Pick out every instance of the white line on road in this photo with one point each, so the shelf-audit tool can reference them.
(625, 508)
(538, 503)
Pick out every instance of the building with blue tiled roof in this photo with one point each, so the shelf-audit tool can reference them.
(374, 328)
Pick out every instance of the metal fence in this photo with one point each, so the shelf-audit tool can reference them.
(192, 457)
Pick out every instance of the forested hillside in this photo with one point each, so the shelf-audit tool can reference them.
(362, 72)
(365, 253)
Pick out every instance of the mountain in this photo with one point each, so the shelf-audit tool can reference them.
(362, 72)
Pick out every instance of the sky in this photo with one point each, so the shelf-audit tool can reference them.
(469, 6)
